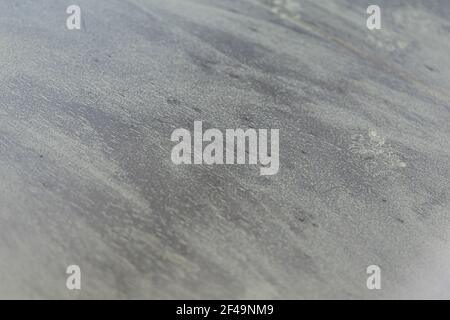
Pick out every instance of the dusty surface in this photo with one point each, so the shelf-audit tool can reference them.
(85, 170)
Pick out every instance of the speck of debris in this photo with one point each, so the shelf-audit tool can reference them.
(173, 101)
(233, 75)
(429, 68)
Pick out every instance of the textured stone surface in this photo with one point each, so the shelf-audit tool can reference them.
(85, 170)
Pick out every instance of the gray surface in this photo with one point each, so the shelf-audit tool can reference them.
(85, 170)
